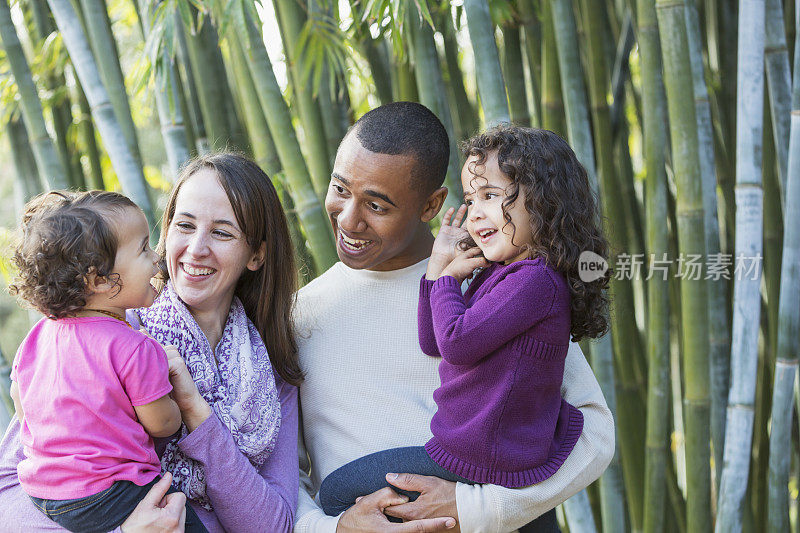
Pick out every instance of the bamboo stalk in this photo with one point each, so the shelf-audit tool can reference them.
(621, 72)
(579, 131)
(465, 122)
(83, 121)
(275, 110)
(633, 214)
(612, 500)
(788, 323)
(292, 18)
(726, 49)
(59, 107)
(433, 95)
(746, 299)
(575, 98)
(265, 153)
(514, 76)
(373, 52)
(377, 65)
(329, 95)
(329, 104)
(51, 171)
(578, 512)
(533, 37)
(552, 103)
(26, 175)
(180, 100)
(491, 88)
(779, 85)
(190, 89)
(170, 114)
(773, 237)
(719, 328)
(689, 209)
(631, 417)
(210, 82)
(128, 169)
(405, 83)
(655, 139)
(61, 120)
(104, 48)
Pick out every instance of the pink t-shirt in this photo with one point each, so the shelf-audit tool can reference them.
(79, 379)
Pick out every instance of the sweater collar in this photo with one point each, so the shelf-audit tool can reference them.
(411, 271)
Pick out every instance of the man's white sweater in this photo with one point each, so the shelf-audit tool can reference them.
(368, 387)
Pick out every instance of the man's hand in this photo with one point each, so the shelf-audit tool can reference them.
(437, 498)
(367, 516)
(158, 512)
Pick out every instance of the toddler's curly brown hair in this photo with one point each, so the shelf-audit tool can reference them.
(563, 211)
(65, 236)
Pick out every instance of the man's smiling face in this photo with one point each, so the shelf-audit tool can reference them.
(378, 214)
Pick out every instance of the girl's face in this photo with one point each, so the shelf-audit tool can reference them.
(206, 251)
(136, 264)
(484, 195)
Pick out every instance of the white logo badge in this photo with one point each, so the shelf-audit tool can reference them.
(591, 267)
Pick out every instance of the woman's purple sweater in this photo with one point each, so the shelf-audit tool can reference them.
(503, 343)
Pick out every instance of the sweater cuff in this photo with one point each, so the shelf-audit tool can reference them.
(425, 286)
(478, 510)
(446, 282)
(194, 444)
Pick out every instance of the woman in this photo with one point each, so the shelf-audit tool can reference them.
(230, 282)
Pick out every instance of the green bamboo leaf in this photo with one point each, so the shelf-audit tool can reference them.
(503, 12)
(185, 12)
(322, 45)
(226, 17)
(422, 6)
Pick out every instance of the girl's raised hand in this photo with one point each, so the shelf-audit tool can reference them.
(464, 264)
(451, 232)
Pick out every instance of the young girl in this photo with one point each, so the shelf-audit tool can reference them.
(530, 213)
(90, 392)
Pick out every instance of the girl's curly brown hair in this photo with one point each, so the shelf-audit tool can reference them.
(64, 237)
(563, 211)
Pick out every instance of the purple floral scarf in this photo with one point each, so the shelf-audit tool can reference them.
(240, 389)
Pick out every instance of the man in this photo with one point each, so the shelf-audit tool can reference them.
(368, 385)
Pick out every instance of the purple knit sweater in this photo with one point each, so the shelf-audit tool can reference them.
(500, 418)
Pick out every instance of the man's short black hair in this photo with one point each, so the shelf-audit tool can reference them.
(408, 128)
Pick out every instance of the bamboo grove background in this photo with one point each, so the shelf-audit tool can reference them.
(686, 115)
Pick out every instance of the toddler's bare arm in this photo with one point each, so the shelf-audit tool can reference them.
(160, 418)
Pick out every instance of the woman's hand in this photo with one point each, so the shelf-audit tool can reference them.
(158, 512)
(465, 263)
(445, 245)
(194, 409)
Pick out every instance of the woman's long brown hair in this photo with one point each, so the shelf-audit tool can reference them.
(267, 294)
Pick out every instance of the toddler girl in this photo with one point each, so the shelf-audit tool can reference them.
(530, 213)
(90, 392)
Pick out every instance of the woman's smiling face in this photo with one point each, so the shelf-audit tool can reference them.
(206, 250)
